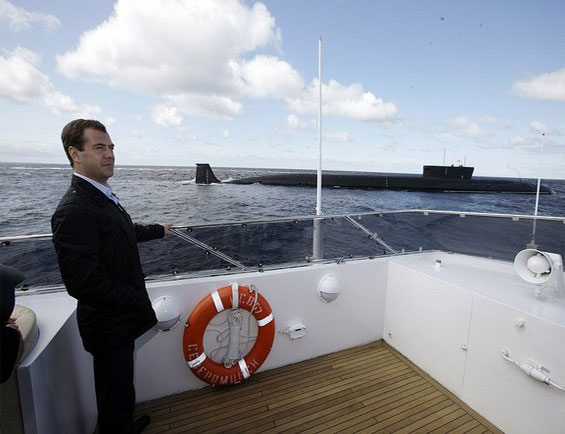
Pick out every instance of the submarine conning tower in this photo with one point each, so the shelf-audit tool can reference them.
(449, 172)
(204, 174)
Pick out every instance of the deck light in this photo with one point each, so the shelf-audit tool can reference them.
(329, 288)
(167, 311)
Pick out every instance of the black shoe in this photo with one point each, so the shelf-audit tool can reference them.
(141, 423)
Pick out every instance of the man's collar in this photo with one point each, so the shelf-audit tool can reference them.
(93, 182)
(106, 189)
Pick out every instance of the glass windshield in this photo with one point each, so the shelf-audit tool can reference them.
(256, 246)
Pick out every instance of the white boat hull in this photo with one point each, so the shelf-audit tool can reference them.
(452, 322)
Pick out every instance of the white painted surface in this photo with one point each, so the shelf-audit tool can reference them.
(493, 279)
(356, 317)
(499, 390)
(427, 320)
(501, 302)
(56, 379)
(52, 311)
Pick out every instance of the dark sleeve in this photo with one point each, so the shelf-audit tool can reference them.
(10, 339)
(148, 232)
(76, 236)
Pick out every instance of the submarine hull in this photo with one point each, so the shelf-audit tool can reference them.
(386, 181)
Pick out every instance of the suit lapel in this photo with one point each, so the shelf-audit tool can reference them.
(119, 216)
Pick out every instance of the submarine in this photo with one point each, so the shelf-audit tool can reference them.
(452, 178)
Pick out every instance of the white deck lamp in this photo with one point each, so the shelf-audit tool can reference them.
(329, 288)
(167, 311)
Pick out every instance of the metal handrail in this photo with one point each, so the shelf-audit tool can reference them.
(208, 249)
(19, 238)
(368, 213)
(372, 235)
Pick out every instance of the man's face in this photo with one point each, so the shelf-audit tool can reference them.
(96, 160)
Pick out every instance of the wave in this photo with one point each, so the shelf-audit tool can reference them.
(187, 182)
(151, 169)
(37, 168)
(193, 182)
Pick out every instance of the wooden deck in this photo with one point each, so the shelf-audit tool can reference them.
(371, 388)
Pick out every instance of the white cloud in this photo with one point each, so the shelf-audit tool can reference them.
(166, 115)
(21, 19)
(18, 150)
(346, 101)
(21, 81)
(550, 86)
(206, 60)
(533, 144)
(518, 141)
(85, 111)
(267, 76)
(338, 136)
(467, 126)
(199, 61)
(539, 127)
(226, 134)
(488, 119)
(212, 105)
(294, 122)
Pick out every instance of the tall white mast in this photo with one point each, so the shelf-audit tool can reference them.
(319, 179)
(317, 235)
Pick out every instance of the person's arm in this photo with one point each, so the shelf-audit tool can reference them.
(151, 232)
(167, 227)
(76, 236)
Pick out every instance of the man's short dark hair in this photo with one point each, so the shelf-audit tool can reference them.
(72, 134)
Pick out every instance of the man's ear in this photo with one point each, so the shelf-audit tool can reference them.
(74, 153)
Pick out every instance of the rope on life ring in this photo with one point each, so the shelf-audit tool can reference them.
(228, 297)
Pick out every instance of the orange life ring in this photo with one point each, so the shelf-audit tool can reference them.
(193, 340)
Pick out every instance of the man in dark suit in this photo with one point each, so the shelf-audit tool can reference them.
(96, 245)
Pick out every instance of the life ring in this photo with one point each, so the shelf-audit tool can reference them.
(228, 297)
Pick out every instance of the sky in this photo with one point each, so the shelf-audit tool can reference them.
(235, 83)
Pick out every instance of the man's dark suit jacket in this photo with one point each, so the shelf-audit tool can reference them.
(96, 245)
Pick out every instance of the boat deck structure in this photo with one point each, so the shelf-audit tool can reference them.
(370, 388)
(409, 321)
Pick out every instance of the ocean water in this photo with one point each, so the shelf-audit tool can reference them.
(30, 192)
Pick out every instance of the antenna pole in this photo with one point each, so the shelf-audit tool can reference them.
(539, 174)
(533, 242)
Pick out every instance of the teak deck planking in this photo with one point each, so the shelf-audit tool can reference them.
(366, 389)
